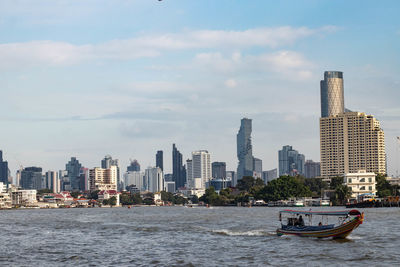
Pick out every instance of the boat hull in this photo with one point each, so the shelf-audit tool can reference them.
(341, 231)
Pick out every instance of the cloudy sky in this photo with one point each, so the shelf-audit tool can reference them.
(128, 78)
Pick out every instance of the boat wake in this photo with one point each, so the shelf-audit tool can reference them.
(243, 233)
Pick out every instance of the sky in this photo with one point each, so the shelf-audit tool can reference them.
(127, 78)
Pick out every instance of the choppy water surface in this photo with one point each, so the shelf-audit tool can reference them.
(179, 236)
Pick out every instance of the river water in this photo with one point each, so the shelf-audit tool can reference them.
(180, 236)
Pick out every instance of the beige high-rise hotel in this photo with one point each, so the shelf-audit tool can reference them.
(350, 141)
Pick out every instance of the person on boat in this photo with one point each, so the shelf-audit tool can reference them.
(320, 224)
(300, 221)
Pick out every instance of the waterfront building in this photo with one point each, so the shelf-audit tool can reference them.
(244, 150)
(73, 168)
(103, 179)
(199, 169)
(361, 183)
(350, 142)
(5, 200)
(107, 162)
(52, 181)
(107, 194)
(31, 178)
(291, 162)
(134, 166)
(135, 179)
(178, 170)
(312, 169)
(22, 197)
(332, 94)
(160, 160)
(169, 186)
(270, 175)
(218, 170)
(3, 169)
(154, 179)
(257, 167)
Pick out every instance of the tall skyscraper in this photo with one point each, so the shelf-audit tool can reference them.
(244, 150)
(159, 160)
(178, 170)
(351, 142)
(257, 167)
(107, 162)
(73, 168)
(31, 178)
(199, 169)
(134, 166)
(332, 94)
(312, 169)
(52, 181)
(3, 169)
(154, 179)
(134, 178)
(218, 170)
(291, 162)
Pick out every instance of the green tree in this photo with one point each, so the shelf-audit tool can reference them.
(335, 182)
(342, 194)
(246, 183)
(75, 194)
(136, 199)
(44, 191)
(195, 199)
(112, 201)
(105, 202)
(316, 185)
(167, 196)
(126, 199)
(283, 188)
(383, 187)
(94, 194)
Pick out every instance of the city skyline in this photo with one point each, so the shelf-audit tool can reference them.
(73, 86)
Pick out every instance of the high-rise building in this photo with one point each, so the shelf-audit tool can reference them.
(189, 173)
(332, 94)
(244, 150)
(351, 142)
(134, 178)
(3, 169)
(312, 169)
(31, 178)
(84, 181)
(199, 169)
(230, 175)
(159, 160)
(270, 175)
(107, 162)
(178, 170)
(103, 179)
(73, 168)
(154, 179)
(291, 162)
(218, 170)
(52, 181)
(134, 166)
(257, 167)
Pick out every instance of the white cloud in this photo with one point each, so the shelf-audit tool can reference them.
(291, 64)
(230, 83)
(51, 53)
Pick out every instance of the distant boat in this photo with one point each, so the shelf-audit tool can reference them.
(296, 225)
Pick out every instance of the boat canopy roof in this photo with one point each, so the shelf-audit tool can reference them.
(323, 213)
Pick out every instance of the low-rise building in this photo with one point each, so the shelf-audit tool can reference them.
(361, 183)
(107, 194)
